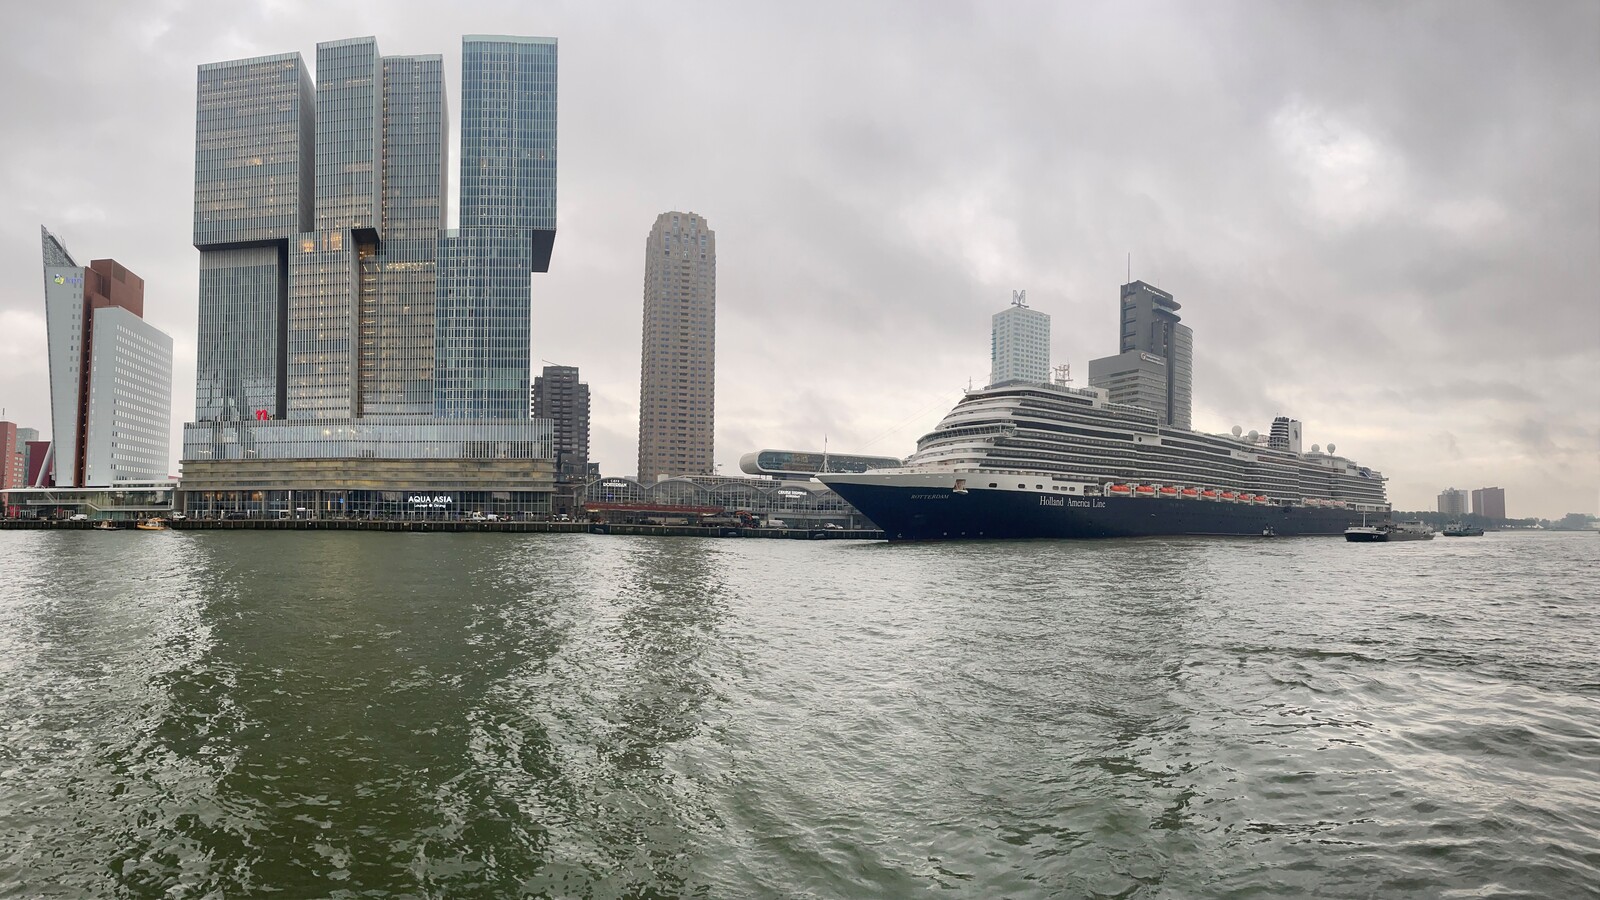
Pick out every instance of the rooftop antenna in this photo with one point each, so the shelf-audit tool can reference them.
(1019, 298)
(1064, 375)
(1130, 268)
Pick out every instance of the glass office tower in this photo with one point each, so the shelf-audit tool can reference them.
(508, 221)
(338, 318)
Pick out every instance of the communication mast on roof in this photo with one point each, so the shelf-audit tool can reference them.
(1019, 298)
(1064, 375)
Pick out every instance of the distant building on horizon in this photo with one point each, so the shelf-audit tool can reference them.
(677, 369)
(1489, 502)
(1019, 343)
(1154, 367)
(1454, 503)
(110, 374)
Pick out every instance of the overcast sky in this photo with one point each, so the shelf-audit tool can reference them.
(1381, 219)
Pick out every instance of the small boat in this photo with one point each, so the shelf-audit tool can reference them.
(1145, 490)
(1189, 493)
(1229, 496)
(1119, 490)
(1168, 491)
(1456, 529)
(152, 524)
(104, 525)
(1208, 494)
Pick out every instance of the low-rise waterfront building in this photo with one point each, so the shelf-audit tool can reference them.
(769, 501)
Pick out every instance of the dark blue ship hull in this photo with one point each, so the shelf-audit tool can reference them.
(920, 513)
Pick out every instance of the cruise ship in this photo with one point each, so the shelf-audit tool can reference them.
(1026, 460)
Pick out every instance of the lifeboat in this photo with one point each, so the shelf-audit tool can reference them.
(1189, 493)
(1263, 500)
(1229, 496)
(1145, 490)
(1209, 494)
(1119, 490)
(1169, 491)
(1247, 498)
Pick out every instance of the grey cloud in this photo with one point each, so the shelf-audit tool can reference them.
(1363, 208)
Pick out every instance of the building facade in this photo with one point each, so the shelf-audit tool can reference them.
(110, 374)
(677, 379)
(1154, 367)
(560, 397)
(1454, 503)
(1489, 502)
(1019, 344)
(13, 461)
(341, 324)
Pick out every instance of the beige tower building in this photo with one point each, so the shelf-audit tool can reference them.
(677, 379)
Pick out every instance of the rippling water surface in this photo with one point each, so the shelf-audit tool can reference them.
(190, 714)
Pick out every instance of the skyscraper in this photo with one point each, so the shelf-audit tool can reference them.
(1019, 344)
(1489, 502)
(1453, 503)
(339, 320)
(110, 373)
(508, 226)
(1154, 367)
(677, 380)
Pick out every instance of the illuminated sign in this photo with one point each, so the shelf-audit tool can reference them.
(621, 485)
(262, 415)
(1150, 357)
(60, 280)
(793, 494)
(431, 501)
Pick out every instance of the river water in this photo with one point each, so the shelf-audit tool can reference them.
(210, 714)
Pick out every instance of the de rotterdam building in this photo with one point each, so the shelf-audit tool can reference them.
(354, 353)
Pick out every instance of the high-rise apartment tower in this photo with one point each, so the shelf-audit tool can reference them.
(1019, 343)
(110, 374)
(1489, 502)
(677, 381)
(559, 396)
(1453, 503)
(1154, 367)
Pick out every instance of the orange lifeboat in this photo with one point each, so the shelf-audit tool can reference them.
(1119, 490)
(1189, 493)
(1263, 500)
(1169, 491)
(1246, 498)
(1209, 494)
(1145, 490)
(1229, 496)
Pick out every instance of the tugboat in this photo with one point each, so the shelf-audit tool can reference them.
(1456, 529)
